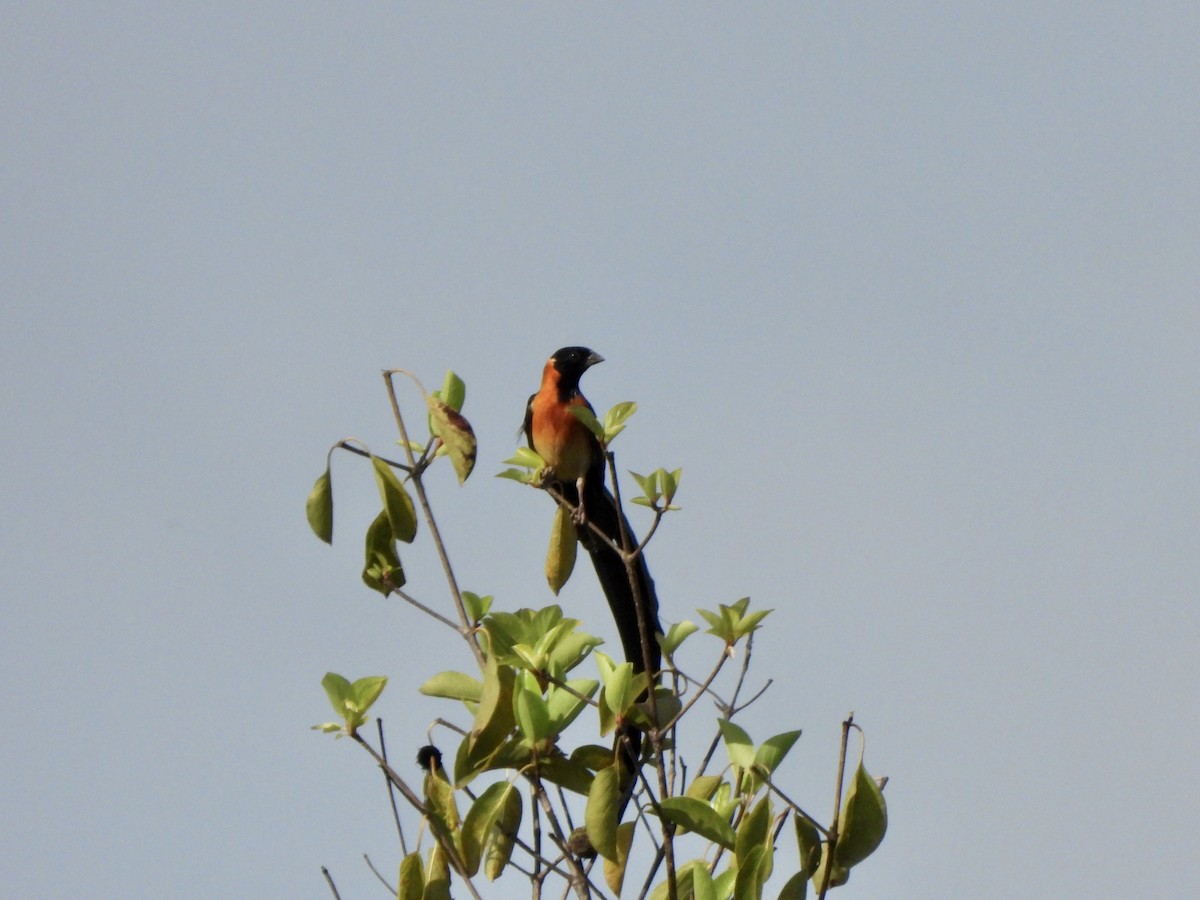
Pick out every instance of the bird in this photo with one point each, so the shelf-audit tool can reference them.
(575, 464)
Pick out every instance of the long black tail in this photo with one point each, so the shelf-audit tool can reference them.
(601, 510)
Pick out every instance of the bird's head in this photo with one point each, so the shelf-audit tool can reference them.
(572, 362)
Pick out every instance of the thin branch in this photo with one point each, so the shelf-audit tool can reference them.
(536, 826)
(390, 787)
(534, 855)
(408, 793)
(438, 543)
(557, 495)
(580, 880)
(461, 732)
(562, 798)
(837, 804)
(659, 512)
(700, 692)
(742, 674)
(729, 708)
(332, 886)
(562, 685)
(762, 690)
(345, 445)
(659, 856)
(795, 808)
(425, 609)
(382, 880)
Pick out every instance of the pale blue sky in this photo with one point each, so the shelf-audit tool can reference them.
(910, 294)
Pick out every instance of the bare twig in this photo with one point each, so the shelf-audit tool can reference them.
(762, 690)
(401, 785)
(390, 787)
(425, 609)
(346, 445)
(332, 886)
(700, 692)
(382, 880)
(834, 825)
(795, 808)
(731, 707)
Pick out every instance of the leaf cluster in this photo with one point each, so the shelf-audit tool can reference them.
(515, 766)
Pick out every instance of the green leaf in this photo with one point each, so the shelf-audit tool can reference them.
(676, 635)
(339, 692)
(737, 744)
(533, 718)
(618, 689)
(703, 787)
(456, 435)
(382, 570)
(319, 507)
(560, 558)
(437, 875)
(500, 847)
(600, 815)
(453, 392)
(702, 884)
(808, 842)
(453, 686)
(670, 483)
(666, 703)
(698, 816)
(440, 805)
(558, 769)
(754, 831)
(615, 419)
(614, 869)
(684, 878)
(774, 749)
(518, 475)
(589, 420)
(750, 623)
(649, 486)
(494, 719)
(796, 888)
(396, 503)
(718, 625)
(571, 650)
(863, 820)
(592, 756)
(412, 878)
(489, 817)
(527, 458)
(751, 874)
(837, 876)
(477, 607)
(564, 706)
(351, 701)
(723, 883)
(367, 690)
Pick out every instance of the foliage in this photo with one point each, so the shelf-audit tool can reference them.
(712, 833)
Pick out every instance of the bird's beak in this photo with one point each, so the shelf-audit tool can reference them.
(594, 358)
